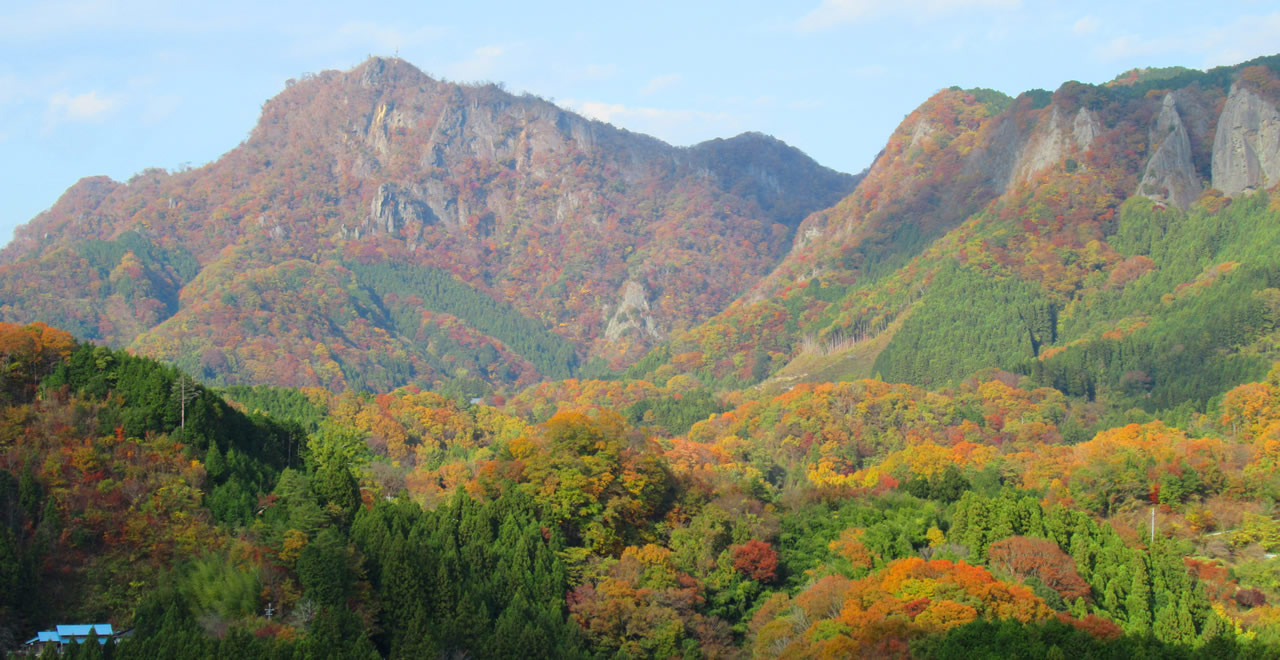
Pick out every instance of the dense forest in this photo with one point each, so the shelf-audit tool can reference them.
(557, 390)
(834, 520)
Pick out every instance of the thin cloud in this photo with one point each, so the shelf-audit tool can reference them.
(1130, 46)
(369, 36)
(1244, 38)
(675, 126)
(53, 18)
(1248, 37)
(835, 13)
(1086, 25)
(660, 82)
(611, 112)
(46, 19)
(481, 65)
(90, 106)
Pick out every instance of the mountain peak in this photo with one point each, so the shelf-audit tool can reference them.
(451, 228)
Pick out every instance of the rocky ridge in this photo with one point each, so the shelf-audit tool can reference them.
(542, 210)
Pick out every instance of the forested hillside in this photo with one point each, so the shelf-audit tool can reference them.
(525, 235)
(844, 519)
(457, 374)
(1113, 241)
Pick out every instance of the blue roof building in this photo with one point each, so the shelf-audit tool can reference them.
(71, 634)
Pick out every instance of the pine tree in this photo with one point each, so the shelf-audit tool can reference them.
(214, 464)
(1137, 605)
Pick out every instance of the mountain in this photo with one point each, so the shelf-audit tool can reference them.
(1074, 448)
(1113, 241)
(380, 227)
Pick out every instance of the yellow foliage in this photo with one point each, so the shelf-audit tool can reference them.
(291, 547)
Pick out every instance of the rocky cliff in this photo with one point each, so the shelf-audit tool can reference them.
(1246, 148)
(1170, 175)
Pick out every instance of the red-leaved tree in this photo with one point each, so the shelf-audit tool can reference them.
(1024, 557)
(757, 560)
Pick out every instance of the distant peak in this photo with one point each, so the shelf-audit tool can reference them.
(378, 71)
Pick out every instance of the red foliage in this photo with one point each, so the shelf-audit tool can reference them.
(757, 560)
(1098, 627)
(1026, 557)
(915, 607)
(1250, 598)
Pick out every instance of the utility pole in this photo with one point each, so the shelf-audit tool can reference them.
(185, 390)
(1153, 524)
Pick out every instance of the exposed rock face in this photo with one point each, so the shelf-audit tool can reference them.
(1170, 176)
(1085, 129)
(996, 158)
(1010, 155)
(1054, 139)
(1246, 148)
(632, 313)
(1198, 119)
(393, 209)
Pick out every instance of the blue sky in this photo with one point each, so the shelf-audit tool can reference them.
(92, 87)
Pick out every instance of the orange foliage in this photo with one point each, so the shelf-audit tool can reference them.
(909, 598)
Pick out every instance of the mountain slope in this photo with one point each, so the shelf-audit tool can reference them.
(1019, 233)
(606, 239)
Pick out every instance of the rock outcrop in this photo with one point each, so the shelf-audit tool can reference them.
(393, 209)
(1058, 138)
(1170, 176)
(1246, 148)
(632, 314)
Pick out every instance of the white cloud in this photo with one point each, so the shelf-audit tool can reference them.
(49, 19)
(660, 82)
(1130, 46)
(676, 126)
(89, 106)
(480, 66)
(1086, 25)
(1244, 38)
(612, 112)
(834, 13)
